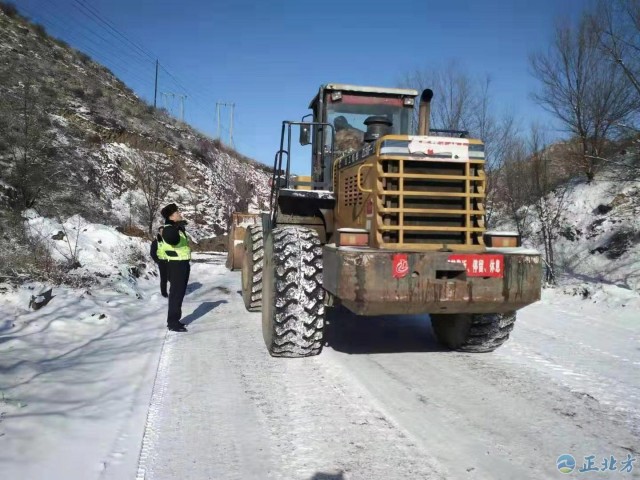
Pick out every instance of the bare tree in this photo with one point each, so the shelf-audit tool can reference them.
(130, 200)
(27, 137)
(578, 86)
(617, 23)
(500, 137)
(155, 179)
(459, 100)
(513, 186)
(455, 97)
(550, 200)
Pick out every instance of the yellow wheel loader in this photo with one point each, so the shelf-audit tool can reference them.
(391, 222)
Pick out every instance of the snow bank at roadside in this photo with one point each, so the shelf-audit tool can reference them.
(95, 253)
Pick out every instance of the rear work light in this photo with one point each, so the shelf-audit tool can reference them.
(352, 237)
(502, 239)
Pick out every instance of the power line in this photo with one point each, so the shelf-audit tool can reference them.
(96, 14)
(110, 60)
(87, 71)
(108, 57)
(91, 35)
(120, 52)
(93, 12)
(120, 42)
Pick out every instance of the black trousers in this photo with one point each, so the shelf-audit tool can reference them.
(178, 273)
(162, 266)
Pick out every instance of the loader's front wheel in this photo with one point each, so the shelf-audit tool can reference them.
(252, 268)
(479, 332)
(292, 293)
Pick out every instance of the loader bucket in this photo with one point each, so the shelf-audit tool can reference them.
(235, 245)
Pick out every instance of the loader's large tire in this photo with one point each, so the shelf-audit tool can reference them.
(292, 293)
(479, 332)
(235, 253)
(252, 268)
(229, 261)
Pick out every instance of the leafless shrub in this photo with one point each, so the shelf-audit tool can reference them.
(9, 9)
(40, 30)
(155, 179)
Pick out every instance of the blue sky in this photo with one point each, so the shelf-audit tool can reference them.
(270, 56)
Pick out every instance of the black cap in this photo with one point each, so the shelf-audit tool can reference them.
(169, 210)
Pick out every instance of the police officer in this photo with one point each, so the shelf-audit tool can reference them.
(159, 256)
(178, 255)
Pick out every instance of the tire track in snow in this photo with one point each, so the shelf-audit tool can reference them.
(232, 411)
(161, 380)
(605, 391)
(320, 421)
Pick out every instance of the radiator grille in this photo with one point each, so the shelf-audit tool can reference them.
(431, 203)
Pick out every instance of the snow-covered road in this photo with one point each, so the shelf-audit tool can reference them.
(386, 402)
(382, 401)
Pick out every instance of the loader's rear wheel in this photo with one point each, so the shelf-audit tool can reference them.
(292, 293)
(479, 332)
(252, 268)
(235, 252)
(229, 262)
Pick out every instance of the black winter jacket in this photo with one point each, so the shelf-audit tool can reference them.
(171, 232)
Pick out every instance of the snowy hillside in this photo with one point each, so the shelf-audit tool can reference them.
(597, 251)
(90, 137)
(601, 241)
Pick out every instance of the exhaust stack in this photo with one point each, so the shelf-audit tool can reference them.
(425, 112)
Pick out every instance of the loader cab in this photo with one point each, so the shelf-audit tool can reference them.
(359, 114)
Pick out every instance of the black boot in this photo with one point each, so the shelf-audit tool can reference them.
(177, 328)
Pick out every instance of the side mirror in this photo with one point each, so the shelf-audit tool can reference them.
(305, 134)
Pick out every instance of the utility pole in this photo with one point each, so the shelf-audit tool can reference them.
(218, 119)
(233, 105)
(182, 99)
(225, 104)
(155, 93)
(173, 96)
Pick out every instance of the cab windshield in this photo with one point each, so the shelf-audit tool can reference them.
(353, 116)
(349, 114)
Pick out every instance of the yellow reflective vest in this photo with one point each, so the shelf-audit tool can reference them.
(182, 250)
(162, 245)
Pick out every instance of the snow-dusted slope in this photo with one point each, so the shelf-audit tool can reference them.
(601, 239)
(598, 244)
(97, 129)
